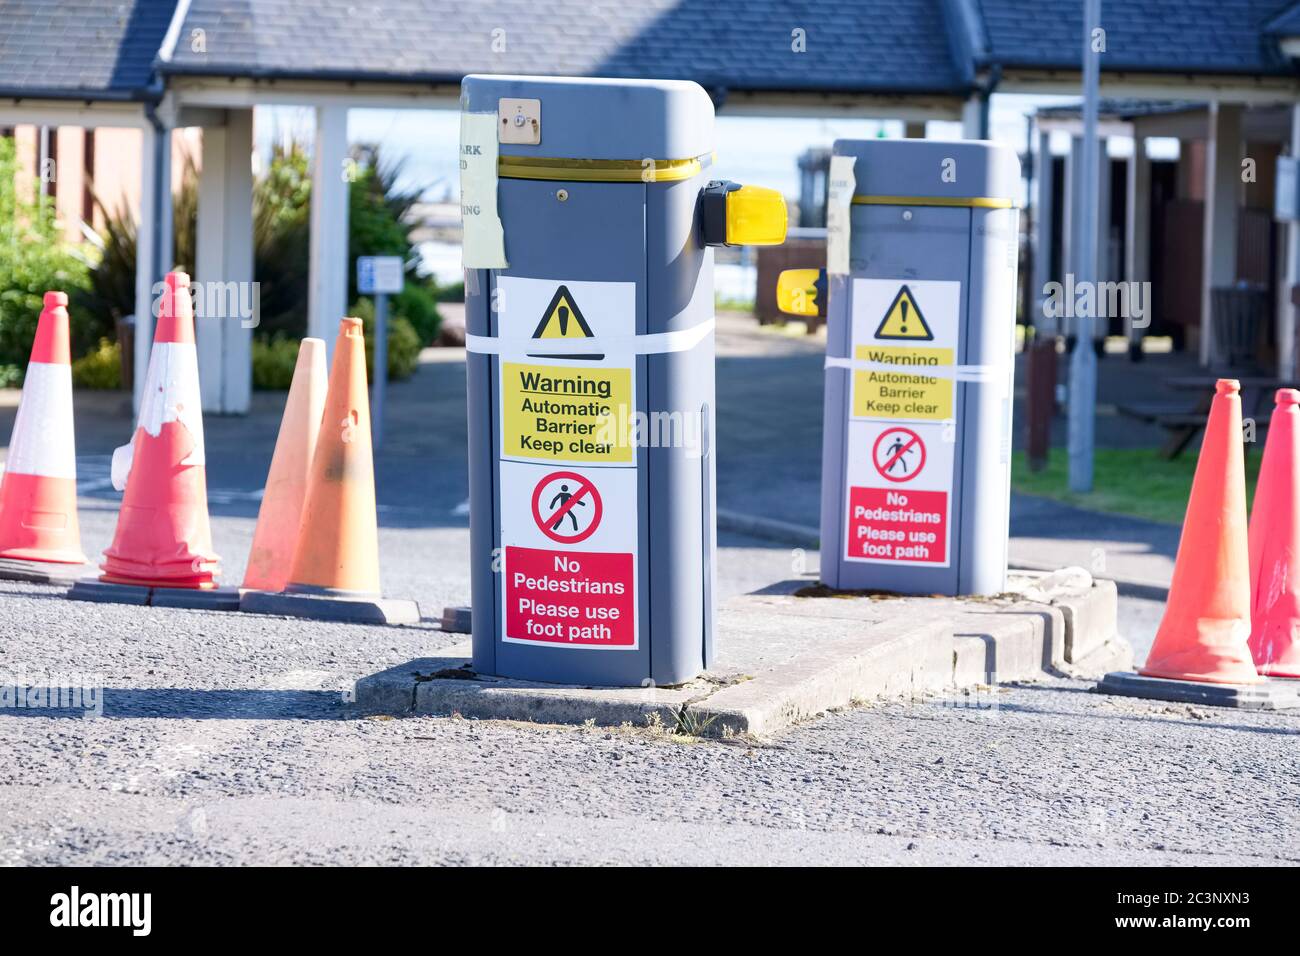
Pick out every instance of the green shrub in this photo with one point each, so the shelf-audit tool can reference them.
(34, 260)
(403, 343)
(273, 363)
(452, 292)
(100, 368)
(417, 305)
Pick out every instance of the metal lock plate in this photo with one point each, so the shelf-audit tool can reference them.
(519, 121)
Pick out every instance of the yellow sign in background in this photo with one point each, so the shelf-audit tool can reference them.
(567, 413)
(905, 393)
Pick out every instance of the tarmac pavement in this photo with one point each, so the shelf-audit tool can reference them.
(228, 738)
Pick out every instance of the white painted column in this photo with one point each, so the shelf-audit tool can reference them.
(971, 118)
(1137, 230)
(1101, 258)
(328, 277)
(1073, 219)
(224, 270)
(1043, 227)
(1222, 197)
(1286, 311)
(153, 233)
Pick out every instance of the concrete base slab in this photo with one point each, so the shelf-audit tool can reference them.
(93, 589)
(456, 620)
(213, 599)
(1090, 607)
(1270, 695)
(323, 608)
(44, 572)
(783, 658)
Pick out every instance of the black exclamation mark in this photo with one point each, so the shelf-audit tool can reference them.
(903, 305)
(564, 321)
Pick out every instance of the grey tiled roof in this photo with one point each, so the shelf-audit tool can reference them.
(881, 45)
(70, 48)
(1286, 23)
(1118, 108)
(110, 48)
(1176, 36)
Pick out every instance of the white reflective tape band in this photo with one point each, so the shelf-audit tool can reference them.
(654, 343)
(123, 456)
(171, 394)
(42, 442)
(960, 373)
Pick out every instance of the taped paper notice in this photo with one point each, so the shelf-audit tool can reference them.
(483, 245)
(839, 199)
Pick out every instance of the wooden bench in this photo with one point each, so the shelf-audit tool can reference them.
(1182, 423)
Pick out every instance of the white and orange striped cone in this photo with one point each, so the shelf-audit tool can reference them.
(38, 496)
(163, 537)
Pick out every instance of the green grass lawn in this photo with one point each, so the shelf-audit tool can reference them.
(1127, 481)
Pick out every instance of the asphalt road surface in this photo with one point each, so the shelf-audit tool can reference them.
(228, 738)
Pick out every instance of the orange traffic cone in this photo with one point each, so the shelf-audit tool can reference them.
(335, 570)
(1203, 636)
(163, 536)
(1275, 545)
(338, 549)
(280, 516)
(38, 497)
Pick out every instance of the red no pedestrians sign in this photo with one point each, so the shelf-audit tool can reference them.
(898, 454)
(567, 507)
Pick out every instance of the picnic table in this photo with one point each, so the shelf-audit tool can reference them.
(1185, 422)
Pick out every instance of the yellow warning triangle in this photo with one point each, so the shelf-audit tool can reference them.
(903, 320)
(563, 319)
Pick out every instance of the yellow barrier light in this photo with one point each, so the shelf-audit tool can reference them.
(736, 215)
(801, 291)
(756, 216)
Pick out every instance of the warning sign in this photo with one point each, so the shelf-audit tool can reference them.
(903, 320)
(569, 407)
(898, 454)
(579, 599)
(568, 535)
(898, 526)
(564, 499)
(568, 556)
(562, 319)
(903, 394)
(902, 421)
(566, 413)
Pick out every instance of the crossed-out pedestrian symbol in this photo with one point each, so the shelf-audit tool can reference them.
(567, 507)
(898, 454)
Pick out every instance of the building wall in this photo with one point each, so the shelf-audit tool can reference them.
(112, 172)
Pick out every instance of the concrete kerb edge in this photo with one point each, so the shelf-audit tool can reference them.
(977, 644)
(774, 700)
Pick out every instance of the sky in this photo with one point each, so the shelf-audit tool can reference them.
(759, 150)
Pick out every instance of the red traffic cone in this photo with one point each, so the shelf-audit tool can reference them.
(163, 536)
(1275, 545)
(1207, 618)
(38, 497)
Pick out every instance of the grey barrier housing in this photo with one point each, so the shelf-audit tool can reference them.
(597, 248)
(932, 257)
